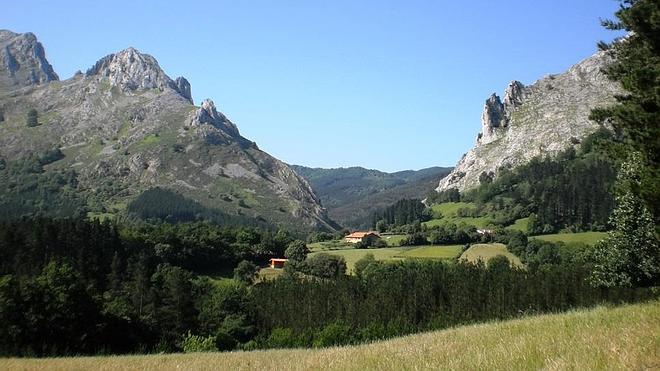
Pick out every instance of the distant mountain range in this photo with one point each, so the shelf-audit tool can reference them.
(352, 194)
(125, 127)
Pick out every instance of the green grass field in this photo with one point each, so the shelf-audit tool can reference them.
(396, 253)
(620, 338)
(432, 252)
(449, 209)
(519, 225)
(329, 245)
(353, 255)
(446, 213)
(589, 238)
(486, 252)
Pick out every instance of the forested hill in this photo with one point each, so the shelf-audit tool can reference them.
(351, 195)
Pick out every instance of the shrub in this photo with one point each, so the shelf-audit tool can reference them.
(195, 343)
(325, 265)
(415, 239)
(246, 272)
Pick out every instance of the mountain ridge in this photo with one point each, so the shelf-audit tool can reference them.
(126, 127)
(541, 119)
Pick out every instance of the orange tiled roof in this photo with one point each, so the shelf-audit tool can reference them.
(360, 234)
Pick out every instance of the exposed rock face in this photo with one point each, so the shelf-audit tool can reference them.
(23, 61)
(183, 87)
(492, 118)
(131, 70)
(541, 119)
(126, 127)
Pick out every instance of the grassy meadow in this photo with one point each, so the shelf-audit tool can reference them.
(447, 213)
(626, 337)
(486, 252)
(395, 253)
(589, 238)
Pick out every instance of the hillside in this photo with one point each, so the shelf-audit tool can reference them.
(351, 195)
(602, 338)
(125, 127)
(542, 119)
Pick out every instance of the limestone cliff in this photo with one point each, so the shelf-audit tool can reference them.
(537, 120)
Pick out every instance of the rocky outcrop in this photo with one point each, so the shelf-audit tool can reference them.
(537, 120)
(131, 70)
(23, 61)
(492, 118)
(183, 87)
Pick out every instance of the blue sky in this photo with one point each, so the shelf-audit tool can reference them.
(389, 85)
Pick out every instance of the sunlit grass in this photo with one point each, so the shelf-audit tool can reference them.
(486, 252)
(589, 238)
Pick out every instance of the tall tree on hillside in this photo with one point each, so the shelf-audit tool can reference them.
(637, 68)
(630, 255)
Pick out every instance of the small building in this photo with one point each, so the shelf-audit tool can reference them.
(357, 237)
(277, 263)
(485, 232)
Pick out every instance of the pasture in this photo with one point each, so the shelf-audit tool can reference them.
(589, 238)
(396, 253)
(486, 252)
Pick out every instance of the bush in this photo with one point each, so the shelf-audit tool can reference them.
(224, 341)
(246, 272)
(325, 265)
(296, 251)
(415, 239)
(334, 334)
(195, 343)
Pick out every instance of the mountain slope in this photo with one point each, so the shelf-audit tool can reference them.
(351, 195)
(126, 127)
(537, 120)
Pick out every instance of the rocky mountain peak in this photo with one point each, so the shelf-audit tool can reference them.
(131, 70)
(23, 61)
(208, 114)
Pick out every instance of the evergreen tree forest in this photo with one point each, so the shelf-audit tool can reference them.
(402, 212)
(79, 287)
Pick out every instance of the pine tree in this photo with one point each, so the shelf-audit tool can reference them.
(630, 255)
(637, 69)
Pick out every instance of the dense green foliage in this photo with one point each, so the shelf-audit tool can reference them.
(630, 255)
(162, 204)
(77, 287)
(637, 68)
(388, 299)
(402, 212)
(83, 287)
(26, 189)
